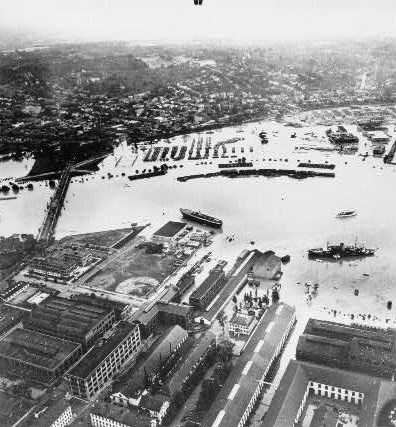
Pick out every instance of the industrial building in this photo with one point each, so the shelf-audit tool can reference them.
(131, 391)
(160, 314)
(356, 348)
(205, 293)
(302, 380)
(188, 365)
(94, 371)
(71, 319)
(105, 414)
(237, 397)
(11, 292)
(52, 268)
(169, 232)
(238, 278)
(40, 357)
(10, 318)
(268, 266)
(79, 254)
(52, 414)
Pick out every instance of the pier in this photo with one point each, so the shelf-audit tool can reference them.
(47, 230)
(389, 157)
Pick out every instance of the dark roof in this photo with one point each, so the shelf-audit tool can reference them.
(66, 317)
(213, 276)
(174, 383)
(98, 353)
(145, 316)
(242, 319)
(170, 229)
(36, 348)
(121, 414)
(267, 260)
(347, 341)
(53, 410)
(152, 403)
(9, 317)
(241, 384)
(158, 353)
(294, 383)
(232, 285)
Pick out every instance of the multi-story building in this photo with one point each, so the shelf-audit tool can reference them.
(355, 348)
(241, 324)
(188, 365)
(105, 414)
(56, 414)
(37, 356)
(71, 319)
(303, 381)
(236, 399)
(162, 313)
(51, 268)
(78, 254)
(206, 292)
(131, 391)
(11, 292)
(94, 371)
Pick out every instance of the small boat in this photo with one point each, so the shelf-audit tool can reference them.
(346, 214)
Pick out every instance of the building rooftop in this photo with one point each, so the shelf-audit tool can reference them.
(66, 317)
(145, 315)
(235, 395)
(173, 384)
(36, 348)
(49, 413)
(289, 395)
(121, 415)
(242, 319)
(157, 354)
(207, 284)
(170, 229)
(98, 353)
(9, 317)
(235, 281)
(347, 342)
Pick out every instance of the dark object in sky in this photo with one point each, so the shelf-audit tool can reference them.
(197, 2)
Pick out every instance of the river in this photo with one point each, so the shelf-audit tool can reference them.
(285, 215)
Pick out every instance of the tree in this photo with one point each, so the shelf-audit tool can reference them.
(222, 319)
(275, 296)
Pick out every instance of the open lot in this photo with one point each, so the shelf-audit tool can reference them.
(101, 238)
(135, 272)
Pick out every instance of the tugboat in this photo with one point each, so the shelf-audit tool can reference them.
(340, 251)
(346, 214)
(201, 218)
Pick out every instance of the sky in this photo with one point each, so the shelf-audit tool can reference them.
(180, 20)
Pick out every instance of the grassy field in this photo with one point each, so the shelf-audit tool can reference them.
(135, 273)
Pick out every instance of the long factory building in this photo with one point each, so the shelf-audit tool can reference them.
(238, 395)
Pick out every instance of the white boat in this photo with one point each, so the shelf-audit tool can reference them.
(346, 214)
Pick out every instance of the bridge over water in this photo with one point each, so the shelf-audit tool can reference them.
(46, 232)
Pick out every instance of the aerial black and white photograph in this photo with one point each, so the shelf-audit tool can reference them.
(197, 213)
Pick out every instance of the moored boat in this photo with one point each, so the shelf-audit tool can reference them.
(340, 251)
(201, 218)
(346, 213)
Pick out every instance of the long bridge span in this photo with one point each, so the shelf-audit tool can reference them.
(46, 232)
